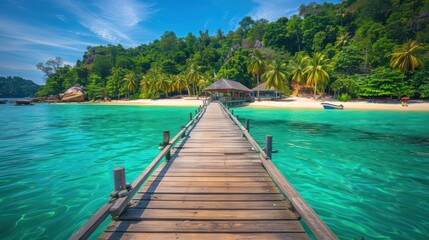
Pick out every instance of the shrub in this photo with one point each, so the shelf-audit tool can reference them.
(344, 97)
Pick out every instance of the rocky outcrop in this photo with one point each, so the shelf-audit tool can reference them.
(73, 94)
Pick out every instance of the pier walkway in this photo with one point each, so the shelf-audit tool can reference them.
(216, 185)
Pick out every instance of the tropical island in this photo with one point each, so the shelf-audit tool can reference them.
(364, 173)
(350, 50)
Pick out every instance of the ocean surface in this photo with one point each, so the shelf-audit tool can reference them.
(56, 161)
(366, 173)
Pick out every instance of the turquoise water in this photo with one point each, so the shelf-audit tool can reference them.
(56, 161)
(366, 173)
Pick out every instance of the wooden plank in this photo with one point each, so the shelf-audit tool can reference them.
(254, 205)
(204, 190)
(207, 226)
(217, 170)
(217, 174)
(217, 179)
(211, 184)
(209, 197)
(205, 236)
(184, 214)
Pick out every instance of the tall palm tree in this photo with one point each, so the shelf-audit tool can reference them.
(296, 68)
(130, 82)
(257, 66)
(342, 40)
(193, 76)
(315, 72)
(151, 78)
(276, 76)
(180, 83)
(404, 59)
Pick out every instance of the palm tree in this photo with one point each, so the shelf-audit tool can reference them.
(342, 40)
(276, 75)
(180, 83)
(257, 66)
(404, 59)
(130, 82)
(150, 80)
(204, 82)
(193, 76)
(163, 84)
(314, 72)
(296, 68)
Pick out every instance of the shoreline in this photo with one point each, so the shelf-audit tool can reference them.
(287, 103)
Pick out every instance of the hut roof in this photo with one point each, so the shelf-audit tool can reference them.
(227, 85)
(261, 87)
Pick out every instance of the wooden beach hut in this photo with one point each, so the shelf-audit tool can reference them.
(264, 93)
(229, 90)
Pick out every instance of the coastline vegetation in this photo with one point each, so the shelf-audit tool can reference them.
(16, 87)
(356, 48)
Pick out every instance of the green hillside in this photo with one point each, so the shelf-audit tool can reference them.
(361, 48)
(15, 87)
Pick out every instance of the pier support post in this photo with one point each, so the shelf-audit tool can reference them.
(247, 125)
(238, 117)
(190, 116)
(119, 179)
(166, 141)
(232, 112)
(269, 145)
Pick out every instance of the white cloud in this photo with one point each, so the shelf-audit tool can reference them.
(17, 36)
(109, 19)
(273, 9)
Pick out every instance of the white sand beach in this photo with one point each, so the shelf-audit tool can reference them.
(292, 102)
(300, 102)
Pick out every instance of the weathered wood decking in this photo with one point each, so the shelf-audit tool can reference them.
(214, 187)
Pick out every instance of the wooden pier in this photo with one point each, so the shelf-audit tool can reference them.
(218, 184)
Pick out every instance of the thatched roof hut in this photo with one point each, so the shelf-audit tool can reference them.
(225, 85)
(261, 87)
(264, 93)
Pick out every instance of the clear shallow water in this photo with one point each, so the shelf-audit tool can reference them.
(366, 173)
(56, 161)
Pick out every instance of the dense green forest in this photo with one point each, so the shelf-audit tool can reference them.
(15, 87)
(357, 48)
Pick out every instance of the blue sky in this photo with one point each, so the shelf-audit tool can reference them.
(33, 31)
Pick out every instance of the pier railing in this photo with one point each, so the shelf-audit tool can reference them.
(116, 208)
(313, 221)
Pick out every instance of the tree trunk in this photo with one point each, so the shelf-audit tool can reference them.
(299, 45)
(257, 81)
(315, 89)
(189, 90)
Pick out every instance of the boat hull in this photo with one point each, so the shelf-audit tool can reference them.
(332, 106)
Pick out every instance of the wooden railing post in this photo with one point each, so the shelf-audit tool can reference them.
(166, 141)
(232, 112)
(190, 116)
(269, 145)
(119, 179)
(247, 125)
(184, 133)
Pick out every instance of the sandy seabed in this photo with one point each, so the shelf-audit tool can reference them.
(293, 102)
